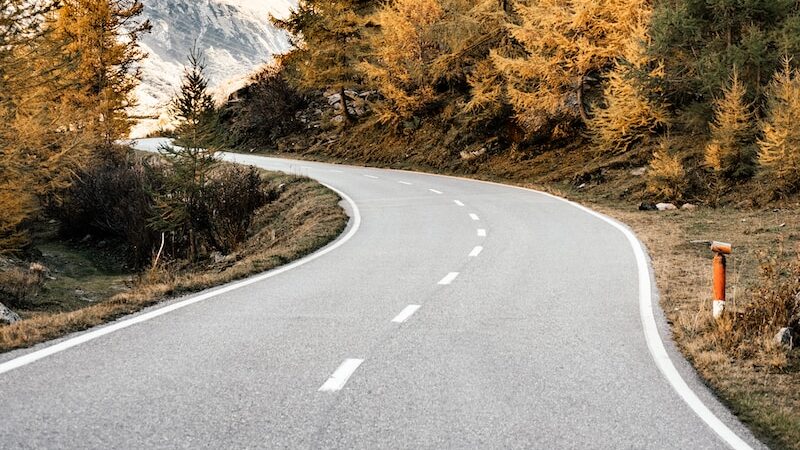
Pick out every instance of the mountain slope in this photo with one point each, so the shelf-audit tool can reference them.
(235, 36)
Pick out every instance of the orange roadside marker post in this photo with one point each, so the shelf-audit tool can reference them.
(720, 249)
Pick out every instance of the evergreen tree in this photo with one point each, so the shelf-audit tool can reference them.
(779, 149)
(700, 40)
(731, 152)
(180, 207)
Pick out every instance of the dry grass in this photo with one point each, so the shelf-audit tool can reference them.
(737, 356)
(305, 217)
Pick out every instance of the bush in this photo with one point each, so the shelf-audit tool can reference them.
(667, 176)
(232, 197)
(263, 111)
(18, 286)
(114, 200)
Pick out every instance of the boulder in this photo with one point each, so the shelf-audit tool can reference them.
(666, 207)
(7, 316)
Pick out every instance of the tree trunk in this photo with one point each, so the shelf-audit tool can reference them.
(345, 110)
(581, 105)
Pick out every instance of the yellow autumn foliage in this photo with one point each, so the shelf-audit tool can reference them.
(779, 149)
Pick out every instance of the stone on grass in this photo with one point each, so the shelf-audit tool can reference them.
(638, 172)
(688, 207)
(7, 316)
(785, 338)
(647, 206)
(666, 207)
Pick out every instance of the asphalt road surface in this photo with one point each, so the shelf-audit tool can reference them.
(451, 314)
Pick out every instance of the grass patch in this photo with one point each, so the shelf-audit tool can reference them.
(85, 293)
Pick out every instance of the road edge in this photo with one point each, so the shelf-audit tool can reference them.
(52, 348)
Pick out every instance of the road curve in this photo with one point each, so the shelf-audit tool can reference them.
(457, 314)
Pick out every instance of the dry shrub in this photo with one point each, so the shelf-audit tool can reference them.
(667, 177)
(748, 331)
(264, 110)
(113, 200)
(18, 286)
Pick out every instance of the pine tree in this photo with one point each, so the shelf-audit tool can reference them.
(566, 42)
(628, 112)
(779, 149)
(700, 40)
(180, 206)
(731, 152)
(102, 41)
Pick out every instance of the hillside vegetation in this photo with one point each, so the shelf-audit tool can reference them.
(89, 229)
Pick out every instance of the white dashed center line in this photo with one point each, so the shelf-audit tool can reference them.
(371, 176)
(475, 251)
(459, 203)
(481, 232)
(436, 192)
(306, 167)
(449, 278)
(474, 216)
(405, 182)
(339, 378)
(336, 171)
(406, 313)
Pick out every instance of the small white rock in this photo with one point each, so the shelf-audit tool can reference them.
(785, 338)
(666, 207)
(688, 207)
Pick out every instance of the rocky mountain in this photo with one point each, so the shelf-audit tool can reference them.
(235, 36)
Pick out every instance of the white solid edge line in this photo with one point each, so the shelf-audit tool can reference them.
(435, 191)
(407, 312)
(339, 378)
(474, 216)
(653, 338)
(475, 251)
(458, 202)
(125, 323)
(481, 232)
(449, 278)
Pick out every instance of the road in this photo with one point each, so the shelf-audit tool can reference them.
(452, 314)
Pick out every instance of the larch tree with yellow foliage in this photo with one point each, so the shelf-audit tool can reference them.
(566, 41)
(731, 153)
(39, 149)
(330, 42)
(426, 50)
(779, 149)
(629, 110)
(102, 42)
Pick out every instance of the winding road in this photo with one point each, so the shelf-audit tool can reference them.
(451, 314)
